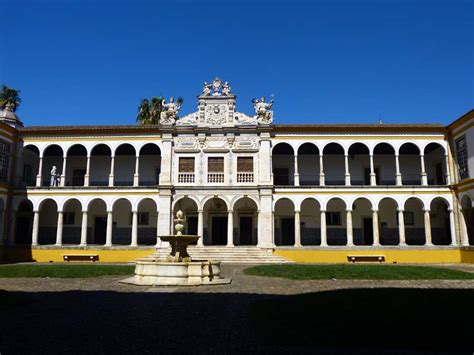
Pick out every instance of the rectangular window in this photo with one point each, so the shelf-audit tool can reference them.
(4, 161)
(68, 217)
(245, 164)
(215, 165)
(333, 218)
(461, 155)
(186, 165)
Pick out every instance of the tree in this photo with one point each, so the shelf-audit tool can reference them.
(9, 97)
(149, 111)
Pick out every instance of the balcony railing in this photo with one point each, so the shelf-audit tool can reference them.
(215, 177)
(244, 177)
(186, 178)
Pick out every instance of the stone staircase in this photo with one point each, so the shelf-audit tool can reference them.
(235, 255)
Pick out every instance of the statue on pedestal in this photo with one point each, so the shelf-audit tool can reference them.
(54, 177)
(263, 110)
(169, 111)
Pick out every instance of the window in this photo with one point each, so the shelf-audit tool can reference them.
(27, 170)
(333, 218)
(461, 155)
(186, 165)
(244, 164)
(215, 165)
(68, 217)
(4, 161)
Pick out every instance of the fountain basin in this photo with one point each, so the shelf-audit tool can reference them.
(164, 273)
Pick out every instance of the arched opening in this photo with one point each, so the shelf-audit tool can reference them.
(122, 222)
(2, 217)
(333, 163)
(336, 222)
(149, 165)
(468, 215)
(190, 209)
(24, 223)
(124, 165)
(283, 164)
(52, 165)
(362, 222)
(384, 164)
(30, 165)
(97, 222)
(388, 220)
(310, 222)
(440, 224)
(48, 222)
(245, 222)
(359, 164)
(72, 218)
(100, 165)
(76, 164)
(215, 226)
(414, 222)
(284, 216)
(147, 222)
(410, 165)
(435, 164)
(308, 164)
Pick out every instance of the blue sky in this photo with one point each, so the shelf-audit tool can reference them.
(90, 62)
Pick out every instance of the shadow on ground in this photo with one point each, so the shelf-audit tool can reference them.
(366, 320)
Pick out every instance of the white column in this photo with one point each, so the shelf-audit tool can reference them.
(448, 175)
(111, 175)
(454, 241)
(347, 175)
(265, 237)
(321, 170)
(375, 227)
(34, 233)
(63, 172)
(265, 160)
(427, 227)
(324, 239)
(297, 229)
(401, 227)
(230, 228)
(158, 240)
(166, 155)
(200, 231)
(424, 179)
(88, 168)
(373, 180)
(40, 171)
(350, 236)
(136, 178)
(84, 229)
(463, 229)
(59, 229)
(134, 242)
(108, 238)
(297, 175)
(398, 175)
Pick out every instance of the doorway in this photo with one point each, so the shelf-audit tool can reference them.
(287, 231)
(368, 231)
(100, 230)
(246, 229)
(219, 230)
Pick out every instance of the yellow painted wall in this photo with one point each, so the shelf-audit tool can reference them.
(391, 256)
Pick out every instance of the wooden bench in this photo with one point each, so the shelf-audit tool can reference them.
(366, 258)
(81, 257)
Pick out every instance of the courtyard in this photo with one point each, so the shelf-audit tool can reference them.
(257, 314)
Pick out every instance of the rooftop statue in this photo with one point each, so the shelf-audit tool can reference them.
(263, 110)
(216, 88)
(169, 112)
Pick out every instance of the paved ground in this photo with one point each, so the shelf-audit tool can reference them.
(253, 314)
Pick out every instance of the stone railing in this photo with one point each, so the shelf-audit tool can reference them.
(186, 178)
(244, 177)
(215, 177)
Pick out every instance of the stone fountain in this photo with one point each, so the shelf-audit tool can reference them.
(178, 268)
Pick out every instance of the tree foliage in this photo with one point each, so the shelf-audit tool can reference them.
(9, 96)
(149, 111)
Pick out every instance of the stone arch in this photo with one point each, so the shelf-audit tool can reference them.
(100, 161)
(237, 198)
(245, 223)
(48, 221)
(310, 220)
(414, 220)
(468, 217)
(410, 163)
(215, 210)
(308, 163)
(53, 155)
(362, 223)
(97, 209)
(385, 164)
(388, 220)
(208, 198)
(29, 166)
(199, 205)
(334, 164)
(441, 233)
(190, 206)
(24, 222)
(124, 166)
(147, 228)
(283, 164)
(72, 218)
(435, 163)
(76, 165)
(284, 221)
(149, 164)
(122, 221)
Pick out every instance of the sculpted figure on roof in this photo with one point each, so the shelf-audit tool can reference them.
(263, 110)
(169, 112)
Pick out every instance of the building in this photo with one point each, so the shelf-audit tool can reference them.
(310, 192)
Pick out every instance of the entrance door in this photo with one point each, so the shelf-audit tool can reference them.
(219, 230)
(368, 233)
(78, 177)
(246, 229)
(100, 230)
(287, 231)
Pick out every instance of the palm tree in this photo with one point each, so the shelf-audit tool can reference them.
(9, 97)
(149, 111)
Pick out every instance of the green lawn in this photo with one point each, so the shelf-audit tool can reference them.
(64, 271)
(358, 272)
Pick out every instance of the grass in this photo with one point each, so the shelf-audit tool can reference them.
(63, 271)
(358, 272)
